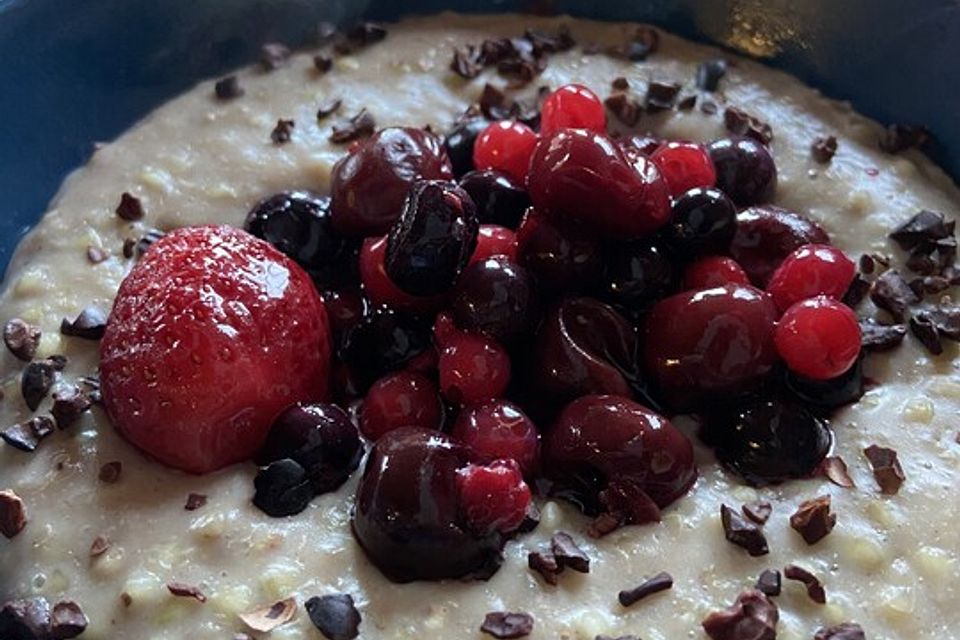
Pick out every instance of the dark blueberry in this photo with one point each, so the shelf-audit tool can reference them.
(766, 235)
(703, 222)
(345, 308)
(499, 198)
(495, 296)
(829, 394)
(434, 238)
(565, 261)
(282, 489)
(459, 143)
(383, 341)
(745, 170)
(637, 275)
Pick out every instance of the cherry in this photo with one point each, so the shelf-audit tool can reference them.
(505, 146)
(498, 429)
(499, 198)
(842, 390)
(345, 307)
(381, 288)
(495, 296)
(703, 222)
(685, 166)
(713, 271)
(459, 142)
(572, 106)
(635, 146)
(766, 235)
(636, 275)
(494, 497)
(473, 368)
(493, 240)
(561, 260)
(383, 341)
(402, 399)
(579, 176)
(811, 270)
(745, 170)
(819, 338)
(712, 344)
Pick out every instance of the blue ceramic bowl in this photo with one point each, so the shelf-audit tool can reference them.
(76, 71)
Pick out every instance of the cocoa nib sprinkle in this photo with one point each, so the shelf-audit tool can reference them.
(36, 381)
(13, 514)
(322, 63)
(879, 337)
(273, 55)
(752, 617)
(26, 436)
(96, 255)
(34, 619)
(228, 88)
(130, 208)
(69, 405)
(923, 329)
(642, 43)
(814, 587)
(522, 58)
(743, 532)
(823, 149)
(545, 564)
(624, 108)
(110, 472)
(195, 501)
(360, 36)
(929, 238)
(100, 545)
(769, 582)
(504, 625)
(89, 324)
(184, 590)
(709, 74)
(661, 96)
(886, 468)
(892, 294)
(496, 105)
(843, 631)
(328, 108)
(21, 338)
(564, 552)
(660, 582)
(360, 125)
(857, 291)
(813, 519)
(835, 470)
(759, 511)
(283, 132)
(741, 123)
(900, 137)
(335, 616)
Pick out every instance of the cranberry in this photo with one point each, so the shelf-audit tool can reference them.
(499, 429)
(702, 346)
(381, 288)
(842, 390)
(608, 454)
(636, 275)
(459, 142)
(811, 270)
(572, 106)
(495, 296)
(745, 170)
(583, 177)
(473, 368)
(765, 236)
(505, 146)
(713, 271)
(493, 240)
(434, 238)
(494, 498)
(685, 166)
(703, 222)
(383, 341)
(499, 198)
(369, 184)
(344, 308)
(561, 260)
(408, 517)
(402, 399)
(819, 338)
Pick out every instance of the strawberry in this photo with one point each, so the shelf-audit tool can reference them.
(212, 334)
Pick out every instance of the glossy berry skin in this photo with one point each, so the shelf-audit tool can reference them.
(493, 240)
(459, 141)
(496, 297)
(712, 344)
(345, 307)
(766, 235)
(369, 184)
(473, 368)
(685, 166)
(561, 260)
(494, 498)
(211, 335)
(745, 170)
(638, 145)
(572, 106)
(430, 244)
(282, 488)
(703, 222)
(381, 289)
(607, 453)
(401, 399)
(637, 274)
(713, 271)
(383, 341)
(842, 390)
(811, 270)
(499, 429)
(505, 146)
(819, 338)
(408, 516)
(500, 199)
(579, 176)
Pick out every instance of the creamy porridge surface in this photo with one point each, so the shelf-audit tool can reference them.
(891, 564)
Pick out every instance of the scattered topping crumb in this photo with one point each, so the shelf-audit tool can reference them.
(267, 618)
(660, 582)
(644, 42)
(879, 337)
(96, 255)
(27, 435)
(522, 58)
(69, 405)
(823, 149)
(857, 291)
(741, 123)
(900, 137)
(335, 616)
(36, 381)
(129, 245)
(892, 294)
(467, 61)
(625, 108)
(228, 88)
(90, 324)
(661, 96)
(13, 514)
(99, 546)
(328, 108)
(886, 468)
(929, 239)
(21, 339)
(110, 472)
(322, 63)
(505, 625)
(184, 590)
(130, 207)
(844, 631)
(67, 620)
(545, 564)
(283, 132)
(195, 501)
(359, 36)
(126, 599)
(769, 582)
(146, 242)
(709, 73)
(743, 532)
(758, 511)
(708, 107)
(835, 470)
(687, 103)
(752, 617)
(568, 553)
(496, 105)
(273, 55)
(813, 519)
(33, 619)
(359, 126)
(923, 329)
(620, 84)
(814, 587)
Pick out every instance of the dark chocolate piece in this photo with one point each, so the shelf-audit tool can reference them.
(130, 207)
(504, 625)
(645, 41)
(769, 582)
(946, 318)
(620, 84)
(13, 514)
(625, 108)
(27, 435)
(67, 620)
(924, 228)
(857, 291)
(743, 532)
(823, 149)
(545, 564)
(886, 468)
(752, 617)
(335, 616)
(228, 88)
(27, 619)
(892, 294)
(467, 61)
(814, 586)
(660, 582)
(709, 107)
(364, 34)
(568, 553)
(879, 337)
(328, 108)
(283, 132)
(36, 381)
(835, 470)
(273, 55)
(759, 511)
(661, 96)
(924, 330)
(741, 123)
(322, 63)
(813, 519)
(184, 590)
(89, 325)
(359, 126)
(195, 501)
(21, 338)
(68, 406)
(843, 631)
(110, 472)
(129, 247)
(900, 137)
(100, 545)
(709, 73)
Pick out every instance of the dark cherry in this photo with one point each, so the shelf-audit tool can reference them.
(408, 516)
(283, 488)
(458, 143)
(637, 274)
(383, 341)
(703, 222)
(369, 184)
(433, 240)
(708, 345)
(745, 170)
(845, 389)
(495, 296)
(499, 429)
(639, 145)
(499, 198)
(345, 308)
(561, 260)
(766, 235)
(769, 441)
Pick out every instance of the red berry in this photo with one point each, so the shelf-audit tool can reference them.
(506, 146)
(685, 166)
(499, 429)
(818, 338)
(378, 285)
(403, 399)
(572, 106)
(811, 270)
(212, 334)
(473, 368)
(494, 240)
(713, 271)
(493, 497)
(444, 330)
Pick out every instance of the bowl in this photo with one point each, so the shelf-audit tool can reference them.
(75, 73)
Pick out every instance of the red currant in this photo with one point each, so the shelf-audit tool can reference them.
(505, 146)
(713, 271)
(494, 240)
(811, 270)
(493, 497)
(818, 338)
(402, 399)
(473, 368)
(378, 285)
(572, 106)
(499, 429)
(684, 165)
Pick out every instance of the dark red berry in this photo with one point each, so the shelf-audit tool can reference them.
(473, 368)
(380, 287)
(819, 338)
(635, 146)
(499, 198)
(498, 429)
(685, 166)
(383, 341)
(494, 497)
(459, 142)
(495, 296)
(493, 240)
(745, 170)
(572, 106)
(636, 275)
(505, 146)
(766, 235)
(561, 260)
(703, 222)
(344, 308)
(811, 270)
(401, 399)
(713, 271)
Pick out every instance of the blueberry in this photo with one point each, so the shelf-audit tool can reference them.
(745, 170)
(845, 389)
(637, 275)
(459, 143)
(495, 296)
(702, 223)
(282, 489)
(381, 342)
(499, 198)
